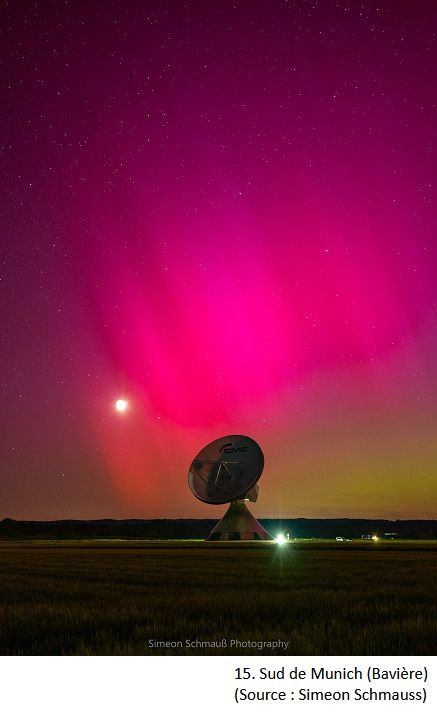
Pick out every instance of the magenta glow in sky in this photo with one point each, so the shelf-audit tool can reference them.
(225, 215)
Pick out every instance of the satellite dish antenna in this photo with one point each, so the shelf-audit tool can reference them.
(227, 471)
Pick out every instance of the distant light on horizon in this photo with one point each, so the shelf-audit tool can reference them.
(280, 539)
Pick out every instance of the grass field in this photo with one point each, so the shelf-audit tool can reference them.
(325, 598)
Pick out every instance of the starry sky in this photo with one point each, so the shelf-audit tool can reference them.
(224, 213)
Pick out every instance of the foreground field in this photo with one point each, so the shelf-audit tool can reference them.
(111, 598)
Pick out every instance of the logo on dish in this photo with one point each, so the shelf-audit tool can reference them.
(229, 449)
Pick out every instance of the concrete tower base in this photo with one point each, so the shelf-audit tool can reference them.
(238, 524)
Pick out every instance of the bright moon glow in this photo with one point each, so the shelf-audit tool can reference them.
(121, 405)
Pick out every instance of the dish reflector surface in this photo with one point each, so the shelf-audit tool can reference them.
(226, 469)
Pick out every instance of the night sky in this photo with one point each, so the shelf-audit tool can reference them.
(224, 213)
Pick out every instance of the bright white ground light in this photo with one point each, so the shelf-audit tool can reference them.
(280, 539)
(121, 405)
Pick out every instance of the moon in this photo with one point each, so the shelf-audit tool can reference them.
(121, 405)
